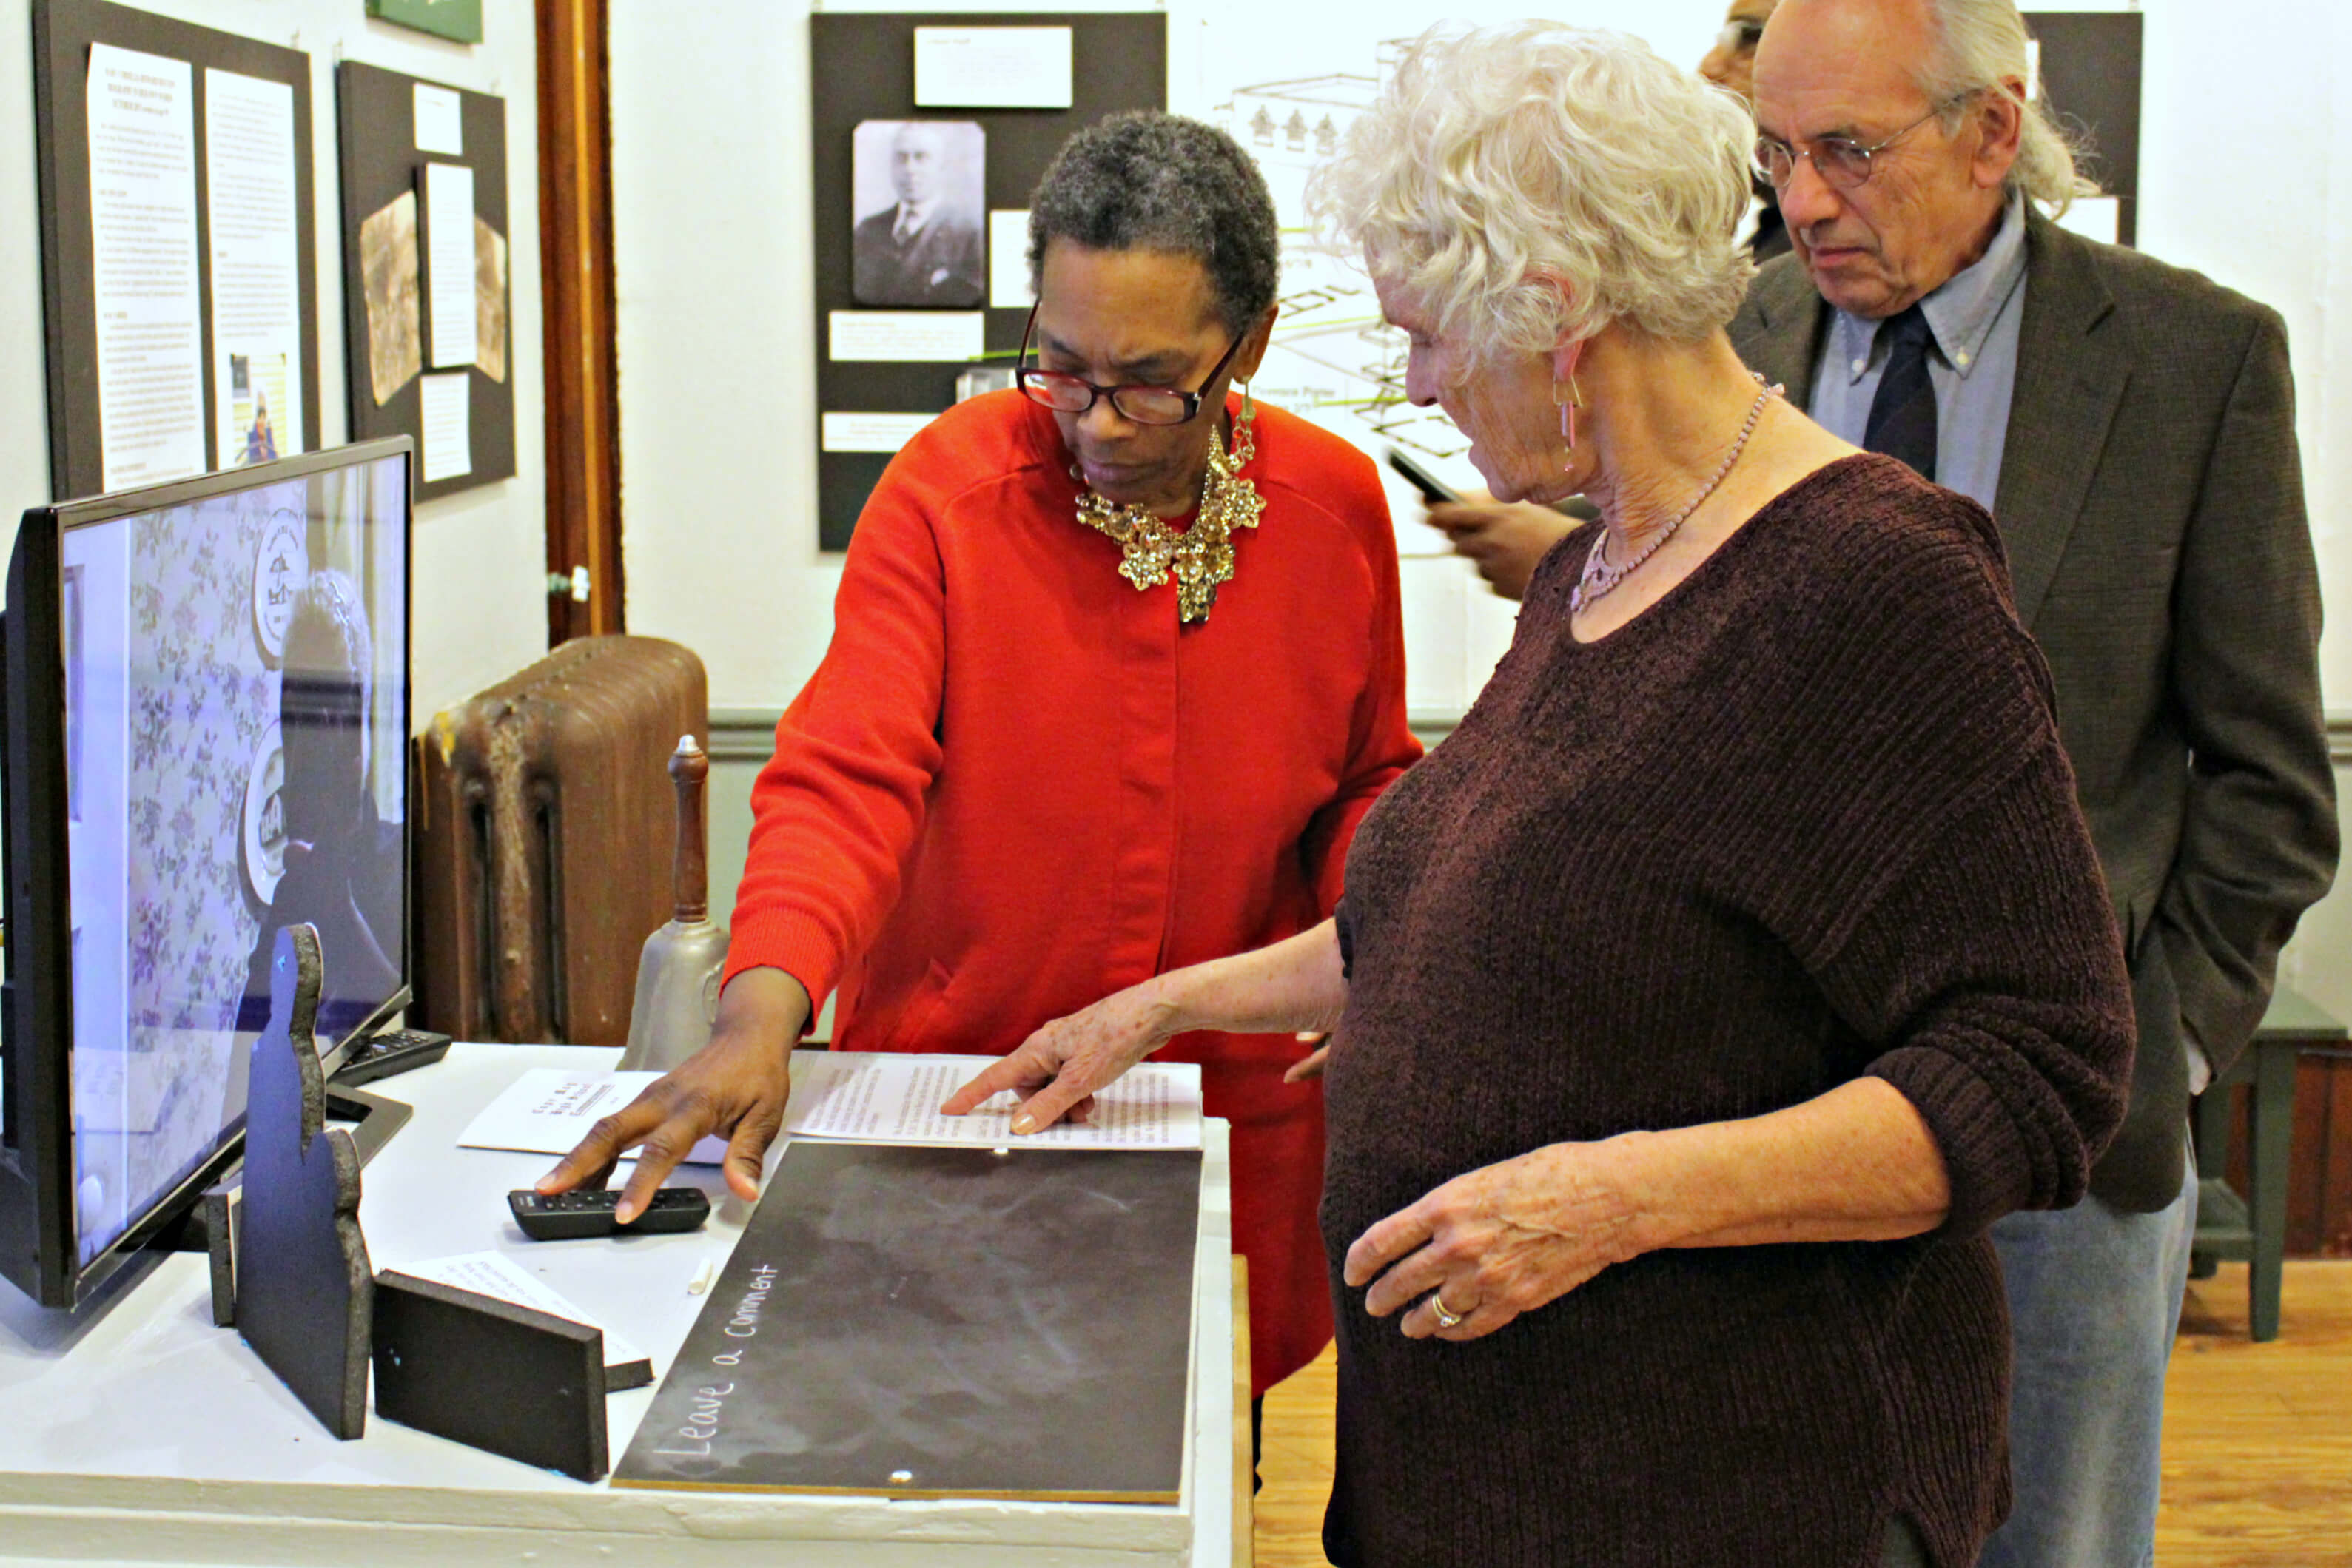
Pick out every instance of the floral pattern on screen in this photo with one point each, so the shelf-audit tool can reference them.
(203, 696)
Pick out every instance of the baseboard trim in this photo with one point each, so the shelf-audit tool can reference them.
(743, 734)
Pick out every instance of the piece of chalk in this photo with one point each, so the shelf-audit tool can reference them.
(702, 1277)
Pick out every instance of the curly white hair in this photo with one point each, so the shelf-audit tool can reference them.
(1534, 181)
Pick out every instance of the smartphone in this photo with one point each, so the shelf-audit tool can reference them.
(1434, 490)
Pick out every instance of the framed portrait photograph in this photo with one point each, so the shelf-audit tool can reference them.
(917, 195)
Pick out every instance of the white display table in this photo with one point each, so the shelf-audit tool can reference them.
(137, 1432)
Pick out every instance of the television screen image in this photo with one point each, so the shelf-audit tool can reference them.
(917, 188)
(235, 695)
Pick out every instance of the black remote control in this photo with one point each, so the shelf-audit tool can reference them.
(394, 1051)
(568, 1216)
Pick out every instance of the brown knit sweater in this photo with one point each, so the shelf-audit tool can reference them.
(1805, 819)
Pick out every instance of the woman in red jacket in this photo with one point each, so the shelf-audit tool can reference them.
(1117, 668)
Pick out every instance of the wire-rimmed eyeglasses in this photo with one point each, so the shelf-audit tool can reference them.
(1066, 394)
(1840, 162)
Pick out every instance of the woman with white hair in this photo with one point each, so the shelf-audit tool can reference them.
(1736, 962)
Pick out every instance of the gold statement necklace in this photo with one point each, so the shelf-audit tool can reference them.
(1201, 555)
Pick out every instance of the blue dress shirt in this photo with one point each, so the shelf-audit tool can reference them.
(1974, 317)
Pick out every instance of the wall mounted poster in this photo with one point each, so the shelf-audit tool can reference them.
(178, 251)
(425, 281)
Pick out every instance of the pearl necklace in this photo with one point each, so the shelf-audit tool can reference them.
(1598, 577)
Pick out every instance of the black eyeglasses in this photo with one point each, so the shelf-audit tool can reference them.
(1144, 406)
(1841, 162)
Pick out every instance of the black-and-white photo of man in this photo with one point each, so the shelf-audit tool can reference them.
(918, 183)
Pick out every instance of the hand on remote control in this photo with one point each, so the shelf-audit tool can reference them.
(736, 1087)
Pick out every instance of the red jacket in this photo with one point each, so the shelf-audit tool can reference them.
(1015, 785)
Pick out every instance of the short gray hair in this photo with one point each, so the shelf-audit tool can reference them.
(1500, 158)
(1148, 181)
(1977, 45)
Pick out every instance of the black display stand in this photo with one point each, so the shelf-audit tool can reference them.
(63, 31)
(867, 64)
(492, 1374)
(303, 1286)
(376, 115)
(2091, 77)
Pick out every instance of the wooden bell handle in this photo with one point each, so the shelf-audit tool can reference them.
(689, 865)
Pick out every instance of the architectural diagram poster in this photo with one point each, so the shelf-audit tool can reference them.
(1289, 99)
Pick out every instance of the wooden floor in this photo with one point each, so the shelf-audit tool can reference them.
(2257, 1450)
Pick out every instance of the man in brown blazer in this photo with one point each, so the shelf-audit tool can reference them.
(2131, 427)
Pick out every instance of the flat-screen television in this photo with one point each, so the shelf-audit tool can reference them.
(206, 706)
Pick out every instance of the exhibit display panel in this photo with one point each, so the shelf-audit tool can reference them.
(142, 1433)
(427, 288)
(931, 133)
(178, 246)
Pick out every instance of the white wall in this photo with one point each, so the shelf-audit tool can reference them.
(480, 557)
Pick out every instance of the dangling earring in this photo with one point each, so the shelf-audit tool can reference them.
(1568, 406)
(1244, 438)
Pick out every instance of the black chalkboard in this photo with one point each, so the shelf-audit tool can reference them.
(943, 1323)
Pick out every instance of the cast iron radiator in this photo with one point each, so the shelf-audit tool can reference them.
(543, 828)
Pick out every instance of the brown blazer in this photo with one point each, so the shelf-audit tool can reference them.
(2151, 500)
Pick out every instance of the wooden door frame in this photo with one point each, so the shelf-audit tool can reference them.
(583, 404)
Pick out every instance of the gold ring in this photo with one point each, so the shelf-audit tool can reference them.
(1447, 1318)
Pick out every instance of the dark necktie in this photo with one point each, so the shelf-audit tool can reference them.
(1903, 415)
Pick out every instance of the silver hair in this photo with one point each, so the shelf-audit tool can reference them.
(1979, 46)
(1532, 182)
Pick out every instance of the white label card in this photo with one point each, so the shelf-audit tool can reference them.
(993, 67)
(440, 120)
(2094, 217)
(907, 335)
(448, 426)
(872, 432)
(1008, 260)
(449, 263)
